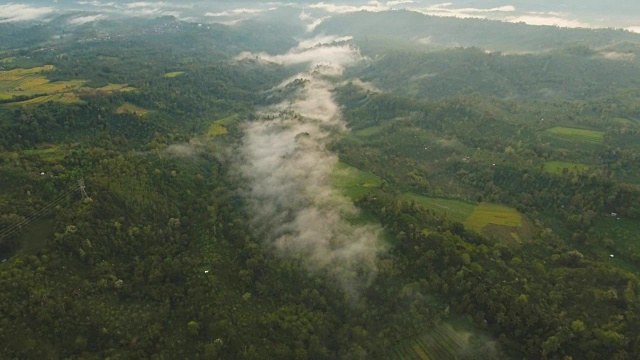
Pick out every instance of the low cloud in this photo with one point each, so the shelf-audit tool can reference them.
(236, 12)
(548, 20)
(322, 39)
(372, 6)
(335, 57)
(446, 10)
(295, 209)
(86, 19)
(18, 12)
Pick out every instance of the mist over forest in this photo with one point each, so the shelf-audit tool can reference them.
(402, 179)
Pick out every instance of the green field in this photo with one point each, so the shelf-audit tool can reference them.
(574, 134)
(456, 210)
(219, 127)
(228, 121)
(49, 153)
(130, 108)
(486, 214)
(173, 74)
(367, 132)
(495, 220)
(557, 167)
(352, 181)
(116, 87)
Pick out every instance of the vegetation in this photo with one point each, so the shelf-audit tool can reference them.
(590, 136)
(128, 233)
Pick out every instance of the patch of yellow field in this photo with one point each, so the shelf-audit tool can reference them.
(112, 87)
(173, 74)
(30, 83)
(65, 98)
(216, 129)
(130, 108)
(486, 214)
(58, 86)
(17, 74)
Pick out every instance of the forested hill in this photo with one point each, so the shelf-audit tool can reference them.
(570, 73)
(162, 197)
(412, 28)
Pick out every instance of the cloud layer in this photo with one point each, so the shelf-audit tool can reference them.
(19, 12)
(296, 210)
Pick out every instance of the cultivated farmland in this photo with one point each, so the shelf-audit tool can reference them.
(574, 134)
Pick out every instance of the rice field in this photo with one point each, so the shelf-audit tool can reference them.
(455, 210)
(32, 82)
(131, 108)
(64, 98)
(486, 214)
(173, 74)
(353, 182)
(575, 134)
(494, 220)
(557, 167)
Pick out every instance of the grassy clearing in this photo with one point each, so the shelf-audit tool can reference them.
(368, 132)
(557, 167)
(574, 134)
(456, 210)
(52, 154)
(220, 126)
(173, 74)
(485, 214)
(352, 181)
(132, 109)
(216, 130)
(228, 121)
(8, 60)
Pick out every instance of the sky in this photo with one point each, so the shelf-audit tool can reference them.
(564, 13)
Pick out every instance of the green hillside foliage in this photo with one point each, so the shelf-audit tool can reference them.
(491, 249)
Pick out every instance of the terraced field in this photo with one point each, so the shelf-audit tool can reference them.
(574, 134)
(557, 167)
(33, 82)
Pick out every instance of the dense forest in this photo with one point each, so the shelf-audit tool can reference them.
(165, 195)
